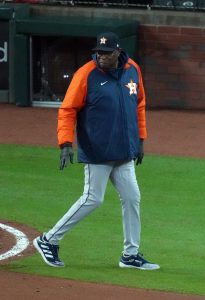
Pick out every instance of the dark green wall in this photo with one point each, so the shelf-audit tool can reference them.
(23, 24)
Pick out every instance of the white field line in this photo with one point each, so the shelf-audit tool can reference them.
(22, 242)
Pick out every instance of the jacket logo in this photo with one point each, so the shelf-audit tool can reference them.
(102, 83)
(103, 40)
(132, 86)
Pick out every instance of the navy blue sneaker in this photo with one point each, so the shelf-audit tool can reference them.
(48, 251)
(136, 261)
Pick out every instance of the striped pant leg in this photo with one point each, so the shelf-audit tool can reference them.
(124, 180)
(95, 182)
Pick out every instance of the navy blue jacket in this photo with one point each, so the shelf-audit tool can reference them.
(109, 108)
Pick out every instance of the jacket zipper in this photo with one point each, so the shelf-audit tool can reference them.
(124, 118)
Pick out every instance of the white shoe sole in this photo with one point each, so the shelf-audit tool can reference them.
(154, 267)
(35, 243)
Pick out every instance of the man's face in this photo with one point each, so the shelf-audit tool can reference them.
(108, 60)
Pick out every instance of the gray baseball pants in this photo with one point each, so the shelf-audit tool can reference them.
(122, 176)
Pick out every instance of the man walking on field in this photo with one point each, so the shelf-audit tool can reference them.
(106, 101)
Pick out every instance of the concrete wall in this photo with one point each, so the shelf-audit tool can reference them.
(171, 52)
(148, 17)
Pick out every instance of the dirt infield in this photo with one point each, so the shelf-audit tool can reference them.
(170, 133)
(27, 287)
(7, 241)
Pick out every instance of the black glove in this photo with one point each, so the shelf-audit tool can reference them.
(140, 153)
(66, 155)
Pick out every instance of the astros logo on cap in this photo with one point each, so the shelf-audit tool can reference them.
(103, 40)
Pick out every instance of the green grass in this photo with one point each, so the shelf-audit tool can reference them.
(35, 192)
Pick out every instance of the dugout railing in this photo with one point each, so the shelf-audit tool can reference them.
(186, 5)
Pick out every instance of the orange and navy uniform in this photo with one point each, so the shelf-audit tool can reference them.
(109, 110)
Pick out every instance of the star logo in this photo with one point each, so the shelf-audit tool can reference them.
(132, 86)
(103, 40)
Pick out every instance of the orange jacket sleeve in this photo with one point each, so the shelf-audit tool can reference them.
(141, 104)
(74, 101)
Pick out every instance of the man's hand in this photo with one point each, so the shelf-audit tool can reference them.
(140, 153)
(66, 155)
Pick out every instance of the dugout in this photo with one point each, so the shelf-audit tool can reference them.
(8, 14)
(45, 51)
